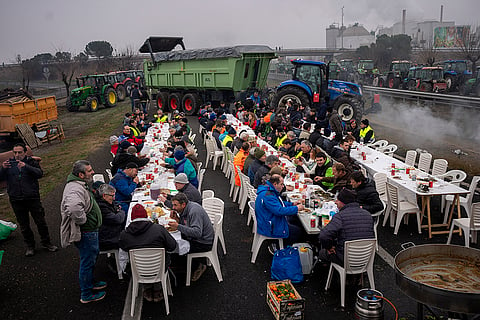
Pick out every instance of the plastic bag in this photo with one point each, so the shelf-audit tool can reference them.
(286, 265)
(6, 228)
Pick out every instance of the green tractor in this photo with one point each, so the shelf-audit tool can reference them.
(92, 90)
(472, 85)
(366, 72)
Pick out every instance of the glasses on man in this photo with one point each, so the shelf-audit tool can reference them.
(110, 194)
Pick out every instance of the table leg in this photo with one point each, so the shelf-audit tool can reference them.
(423, 209)
(427, 200)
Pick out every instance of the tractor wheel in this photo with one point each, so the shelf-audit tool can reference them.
(411, 85)
(129, 87)
(162, 101)
(381, 83)
(70, 106)
(92, 103)
(425, 87)
(390, 82)
(110, 97)
(289, 92)
(349, 108)
(449, 81)
(174, 101)
(121, 92)
(191, 103)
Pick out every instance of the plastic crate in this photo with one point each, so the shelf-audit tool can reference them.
(285, 309)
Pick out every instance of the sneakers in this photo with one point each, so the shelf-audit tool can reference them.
(272, 248)
(29, 252)
(99, 285)
(198, 273)
(94, 297)
(50, 247)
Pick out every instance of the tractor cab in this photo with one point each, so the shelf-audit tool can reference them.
(335, 71)
(431, 79)
(455, 72)
(410, 81)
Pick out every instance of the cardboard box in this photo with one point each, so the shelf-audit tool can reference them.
(285, 308)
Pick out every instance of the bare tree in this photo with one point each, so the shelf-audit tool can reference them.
(126, 58)
(428, 55)
(470, 45)
(66, 67)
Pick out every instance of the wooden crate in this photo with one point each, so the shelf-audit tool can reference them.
(291, 309)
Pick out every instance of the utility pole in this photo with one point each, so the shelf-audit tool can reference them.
(342, 25)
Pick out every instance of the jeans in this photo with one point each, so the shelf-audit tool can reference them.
(34, 207)
(88, 249)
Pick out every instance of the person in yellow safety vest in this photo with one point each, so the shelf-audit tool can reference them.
(366, 132)
(280, 138)
(227, 141)
(160, 117)
(136, 132)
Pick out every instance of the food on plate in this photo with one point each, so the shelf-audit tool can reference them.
(306, 210)
(159, 211)
(165, 190)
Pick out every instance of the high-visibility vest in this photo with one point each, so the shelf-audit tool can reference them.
(364, 131)
(162, 119)
(135, 131)
(227, 140)
(279, 141)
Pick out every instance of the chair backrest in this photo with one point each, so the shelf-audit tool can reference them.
(471, 190)
(148, 264)
(208, 194)
(392, 192)
(213, 206)
(379, 144)
(475, 217)
(439, 167)
(109, 174)
(410, 158)
(453, 176)
(251, 191)
(200, 178)
(389, 150)
(98, 177)
(192, 136)
(251, 207)
(199, 165)
(217, 228)
(424, 162)
(359, 255)
(380, 183)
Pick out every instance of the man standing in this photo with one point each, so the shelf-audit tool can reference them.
(125, 182)
(350, 223)
(195, 227)
(81, 219)
(22, 174)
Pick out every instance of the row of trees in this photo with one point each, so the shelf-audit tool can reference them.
(97, 58)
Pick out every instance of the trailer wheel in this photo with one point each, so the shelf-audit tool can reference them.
(92, 104)
(174, 100)
(162, 101)
(121, 92)
(110, 97)
(349, 108)
(289, 92)
(129, 86)
(191, 103)
(70, 106)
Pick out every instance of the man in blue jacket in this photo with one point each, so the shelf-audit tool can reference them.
(125, 182)
(272, 213)
(350, 223)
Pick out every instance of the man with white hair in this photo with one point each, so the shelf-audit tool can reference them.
(240, 140)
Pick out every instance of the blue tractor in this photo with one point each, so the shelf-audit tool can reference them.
(310, 84)
(455, 72)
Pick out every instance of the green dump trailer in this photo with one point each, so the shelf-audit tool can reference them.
(185, 79)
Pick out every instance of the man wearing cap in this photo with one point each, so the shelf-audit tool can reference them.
(142, 233)
(195, 226)
(366, 132)
(227, 142)
(350, 223)
(123, 158)
(270, 162)
(260, 158)
(182, 185)
(125, 182)
(183, 165)
(81, 219)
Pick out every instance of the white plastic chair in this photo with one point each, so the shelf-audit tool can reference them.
(410, 158)
(200, 179)
(453, 177)
(213, 207)
(208, 194)
(439, 167)
(212, 152)
(378, 144)
(245, 186)
(98, 177)
(109, 174)
(148, 266)
(251, 215)
(117, 260)
(401, 208)
(468, 225)
(465, 202)
(358, 258)
(424, 162)
(376, 220)
(381, 186)
(389, 150)
(210, 255)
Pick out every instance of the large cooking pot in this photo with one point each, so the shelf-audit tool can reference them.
(443, 276)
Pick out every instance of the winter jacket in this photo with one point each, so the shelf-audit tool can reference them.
(261, 172)
(271, 212)
(324, 171)
(184, 166)
(22, 183)
(335, 123)
(122, 159)
(79, 210)
(248, 161)
(190, 191)
(113, 222)
(145, 234)
(239, 161)
(125, 187)
(343, 157)
(350, 223)
(368, 198)
(252, 169)
(195, 225)
(338, 184)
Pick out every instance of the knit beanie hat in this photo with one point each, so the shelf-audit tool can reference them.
(347, 196)
(213, 116)
(125, 144)
(179, 155)
(113, 139)
(259, 153)
(138, 211)
(181, 178)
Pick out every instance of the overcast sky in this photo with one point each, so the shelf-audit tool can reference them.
(31, 27)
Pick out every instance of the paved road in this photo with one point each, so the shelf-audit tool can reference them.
(46, 286)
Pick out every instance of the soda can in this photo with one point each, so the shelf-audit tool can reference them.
(430, 184)
(313, 222)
